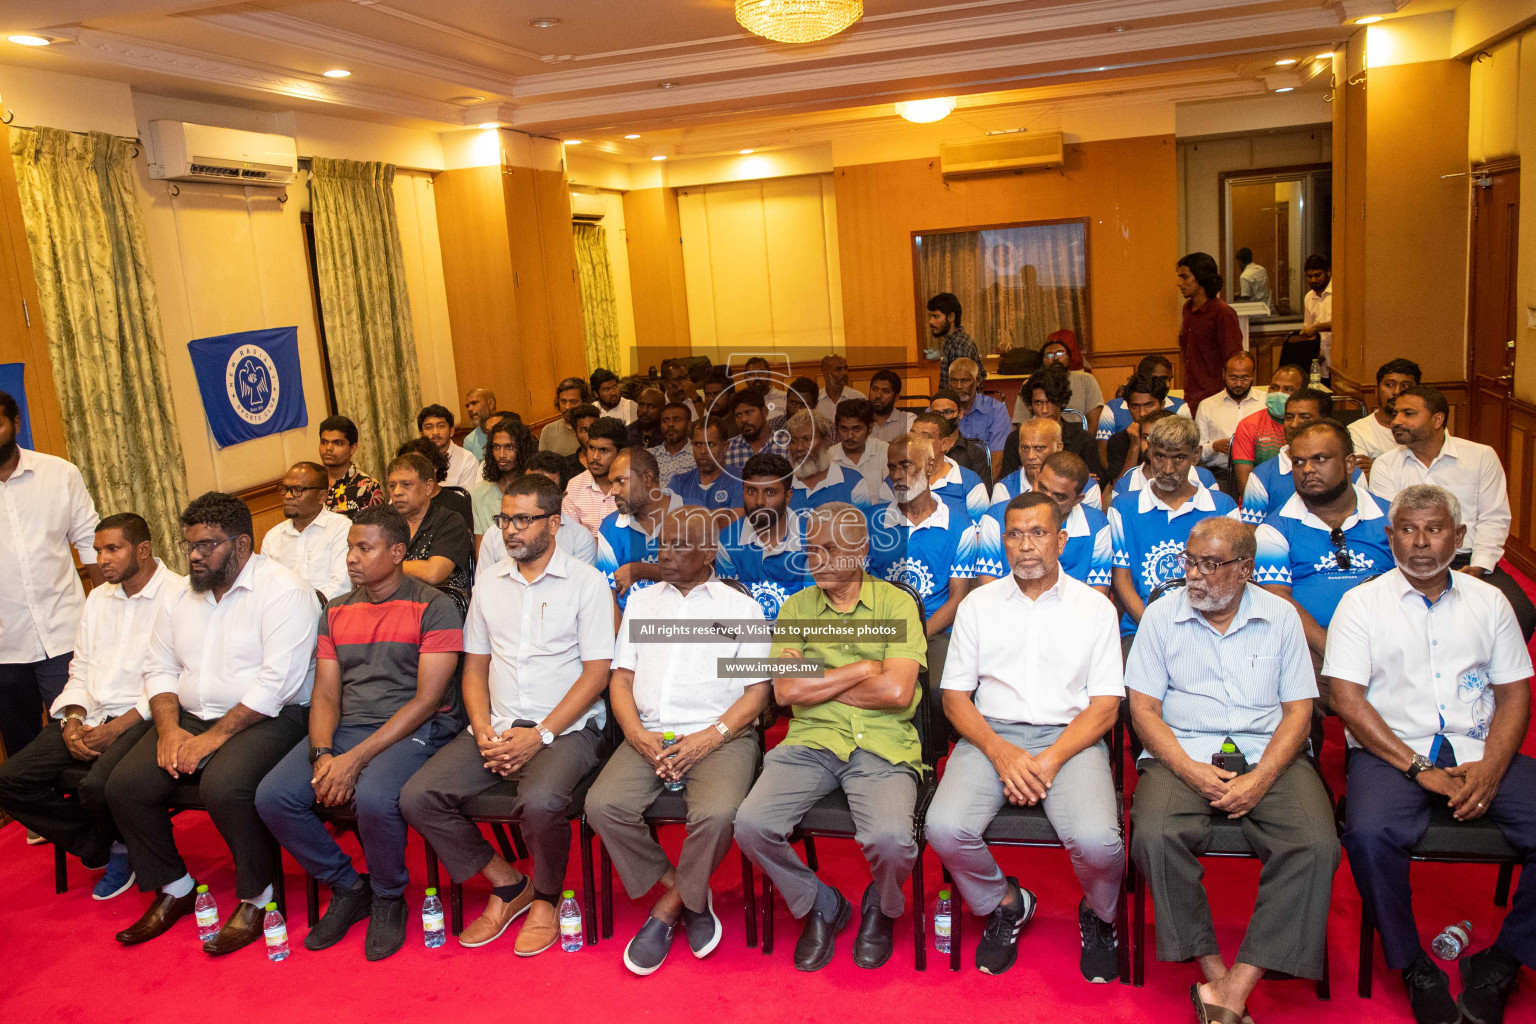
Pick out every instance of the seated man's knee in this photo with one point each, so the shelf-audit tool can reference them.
(543, 805)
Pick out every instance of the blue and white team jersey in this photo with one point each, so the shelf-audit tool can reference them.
(1296, 549)
(769, 575)
(1087, 558)
(1136, 479)
(1115, 417)
(923, 556)
(621, 540)
(1149, 537)
(1270, 486)
(961, 489)
(1014, 484)
(842, 483)
(723, 492)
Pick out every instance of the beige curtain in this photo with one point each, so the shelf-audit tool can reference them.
(599, 308)
(102, 318)
(364, 306)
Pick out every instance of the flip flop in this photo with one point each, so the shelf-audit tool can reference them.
(1210, 1013)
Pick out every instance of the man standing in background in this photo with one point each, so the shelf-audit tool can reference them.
(1253, 280)
(944, 324)
(1210, 333)
(1317, 306)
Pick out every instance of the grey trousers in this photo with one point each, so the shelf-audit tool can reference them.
(628, 785)
(431, 801)
(882, 797)
(1080, 804)
(1291, 830)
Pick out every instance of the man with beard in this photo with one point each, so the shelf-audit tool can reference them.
(228, 675)
(753, 438)
(675, 453)
(921, 541)
(765, 549)
(535, 716)
(679, 387)
(509, 446)
(1272, 483)
(610, 399)
(46, 511)
(944, 314)
(981, 416)
(889, 422)
(1088, 554)
(1032, 703)
(1219, 415)
(1260, 436)
(1428, 454)
(1329, 537)
(480, 404)
(1428, 670)
(582, 417)
(960, 482)
(1120, 424)
(1151, 526)
(1188, 702)
(1038, 439)
(102, 710)
(855, 450)
(818, 477)
(311, 540)
(834, 371)
(347, 488)
(678, 688)
(1136, 479)
(645, 431)
(1373, 433)
(626, 542)
(1209, 331)
(572, 537)
(707, 485)
(589, 495)
(559, 436)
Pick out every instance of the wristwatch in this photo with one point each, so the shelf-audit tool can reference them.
(545, 736)
(316, 753)
(1420, 763)
(72, 717)
(723, 729)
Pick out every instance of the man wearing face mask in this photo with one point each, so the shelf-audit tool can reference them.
(1271, 484)
(1260, 436)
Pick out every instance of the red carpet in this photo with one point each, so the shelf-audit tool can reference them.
(64, 965)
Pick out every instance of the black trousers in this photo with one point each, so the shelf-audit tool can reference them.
(1525, 612)
(81, 823)
(139, 794)
(27, 691)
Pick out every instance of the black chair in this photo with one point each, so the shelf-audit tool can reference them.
(1353, 409)
(830, 818)
(345, 818)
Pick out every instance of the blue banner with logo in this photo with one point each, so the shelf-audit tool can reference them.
(250, 383)
(13, 381)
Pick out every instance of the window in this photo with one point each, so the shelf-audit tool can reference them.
(1017, 283)
(1275, 219)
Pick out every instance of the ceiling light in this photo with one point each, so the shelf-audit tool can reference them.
(1285, 62)
(486, 125)
(466, 101)
(797, 21)
(30, 40)
(1285, 88)
(658, 157)
(338, 73)
(926, 111)
(1324, 56)
(631, 136)
(666, 85)
(544, 22)
(573, 142)
(747, 152)
(1369, 19)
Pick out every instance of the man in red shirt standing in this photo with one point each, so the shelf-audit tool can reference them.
(1210, 333)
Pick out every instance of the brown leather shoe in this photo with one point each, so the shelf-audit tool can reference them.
(242, 928)
(164, 911)
(498, 914)
(540, 931)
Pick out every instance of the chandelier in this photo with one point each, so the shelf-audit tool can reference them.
(797, 21)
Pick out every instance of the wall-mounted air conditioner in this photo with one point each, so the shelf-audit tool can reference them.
(995, 154)
(200, 152)
(588, 208)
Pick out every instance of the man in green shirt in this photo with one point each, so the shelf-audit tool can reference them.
(852, 730)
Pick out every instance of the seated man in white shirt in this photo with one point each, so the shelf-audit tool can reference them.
(1373, 432)
(230, 666)
(537, 643)
(1219, 414)
(102, 711)
(311, 540)
(435, 422)
(1427, 668)
(1428, 454)
(572, 537)
(1032, 702)
(856, 449)
(660, 689)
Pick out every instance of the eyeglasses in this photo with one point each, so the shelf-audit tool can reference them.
(1207, 566)
(517, 522)
(294, 492)
(204, 547)
(1235, 379)
(1340, 552)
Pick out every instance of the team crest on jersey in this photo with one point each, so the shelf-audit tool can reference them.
(913, 573)
(770, 596)
(1162, 563)
(1472, 688)
(1358, 562)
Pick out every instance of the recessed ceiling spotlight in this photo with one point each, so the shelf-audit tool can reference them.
(1285, 62)
(747, 152)
(631, 136)
(1285, 88)
(466, 101)
(658, 157)
(573, 142)
(484, 125)
(1369, 19)
(544, 22)
(24, 40)
(337, 73)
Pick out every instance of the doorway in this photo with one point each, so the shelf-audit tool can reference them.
(1491, 300)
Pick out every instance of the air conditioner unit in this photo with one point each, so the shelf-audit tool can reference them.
(994, 154)
(200, 152)
(588, 208)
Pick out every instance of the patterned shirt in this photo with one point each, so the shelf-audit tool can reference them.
(1149, 536)
(1296, 550)
(353, 493)
(926, 555)
(738, 451)
(671, 465)
(1257, 439)
(959, 346)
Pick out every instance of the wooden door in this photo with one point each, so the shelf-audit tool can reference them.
(1491, 302)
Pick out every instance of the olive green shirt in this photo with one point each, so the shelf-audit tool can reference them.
(841, 728)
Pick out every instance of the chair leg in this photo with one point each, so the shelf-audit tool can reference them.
(587, 835)
(919, 912)
(311, 899)
(767, 915)
(518, 844)
(749, 901)
(433, 878)
(1501, 888)
(279, 887)
(1139, 936)
(60, 870)
(1367, 952)
(500, 832)
(1325, 983)
(810, 854)
(956, 915)
(607, 869)
(456, 907)
(1122, 936)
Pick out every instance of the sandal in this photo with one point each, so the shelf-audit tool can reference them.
(1210, 1013)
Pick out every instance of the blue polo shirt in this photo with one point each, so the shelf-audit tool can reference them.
(1115, 417)
(1270, 486)
(962, 490)
(1015, 484)
(770, 576)
(1149, 537)
(1136, 479)
(1295, 549)
(988, 422)
(840, 484)
(924, 556)
(724, 492)
(621, 540)
(1087, 558)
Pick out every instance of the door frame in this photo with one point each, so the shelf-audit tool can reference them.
(1476, 171)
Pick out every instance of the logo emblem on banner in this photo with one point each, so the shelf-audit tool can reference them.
(251, 380)
(250, 383)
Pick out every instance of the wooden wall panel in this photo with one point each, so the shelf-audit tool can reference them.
(562, 287)
(1519, 470)
(534, 336)
(656, 274)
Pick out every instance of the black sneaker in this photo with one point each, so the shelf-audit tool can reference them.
(347, 907)
(1429, 992)
(1487, 979)
(386, 928)
(703, 930)
(999, 945)
(1100, 959)
(648, 949)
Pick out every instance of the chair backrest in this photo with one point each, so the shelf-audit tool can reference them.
(1348, 408)
(1166, 587)
(1081, 416)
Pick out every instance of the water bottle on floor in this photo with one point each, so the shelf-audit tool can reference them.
(276, 932)
(941, 922)
(669, 739)
(1451, 943)
(207, 913)
(432, 920)
(570, 922)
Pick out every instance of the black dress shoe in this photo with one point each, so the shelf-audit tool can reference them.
(242, 928)
(164, 911)
(1429, 992)
(386, 928)
(1487, 979)
(873, 945)
(347, 907)
(815, 948)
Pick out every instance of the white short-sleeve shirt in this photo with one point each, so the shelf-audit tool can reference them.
(44, 511)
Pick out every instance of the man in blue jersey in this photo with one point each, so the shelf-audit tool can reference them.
(708, 485)
(1270, 486)
(1038, 439)
(1088, 556)
(1151, 526)
(627, 538)
(952, 483)
(818, 478)
(1136, 479)
(765, 549)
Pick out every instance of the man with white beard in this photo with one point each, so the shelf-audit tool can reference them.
(1032, 685)
(1221, 693)
(818, 480)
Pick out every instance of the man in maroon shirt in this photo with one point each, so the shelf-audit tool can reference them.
(1210, 333)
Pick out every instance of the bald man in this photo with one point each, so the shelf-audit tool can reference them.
(479, 403)
(1039, 438)
(645, 431)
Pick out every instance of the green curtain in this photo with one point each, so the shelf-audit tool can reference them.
(599, 308)
(102, 318)
(364, 306)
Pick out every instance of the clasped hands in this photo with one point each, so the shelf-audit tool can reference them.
(673, 763)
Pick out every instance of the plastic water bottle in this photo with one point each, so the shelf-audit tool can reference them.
(941, 922)
(1451, 943)
(207, 912)
(1316, 376)
(570, 922)
(432, 920)
(276, 931)
(669, 739)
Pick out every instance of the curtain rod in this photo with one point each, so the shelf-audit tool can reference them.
(29, 127)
